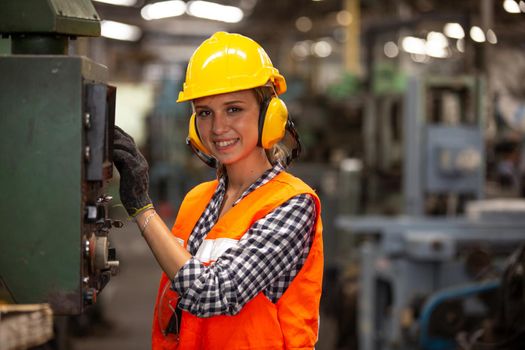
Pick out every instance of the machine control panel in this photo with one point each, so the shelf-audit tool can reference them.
(99, 259)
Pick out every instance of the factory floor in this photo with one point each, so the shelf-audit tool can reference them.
(122, 319)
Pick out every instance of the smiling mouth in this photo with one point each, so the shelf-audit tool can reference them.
(224, 144)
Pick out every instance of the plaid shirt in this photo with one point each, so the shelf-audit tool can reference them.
(266, 258)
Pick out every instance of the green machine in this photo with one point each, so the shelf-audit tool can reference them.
(56, 135)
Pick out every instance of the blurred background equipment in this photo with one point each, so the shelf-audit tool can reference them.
(57, 130)
(433, 273)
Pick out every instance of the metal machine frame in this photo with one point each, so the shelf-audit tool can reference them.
(57, 117)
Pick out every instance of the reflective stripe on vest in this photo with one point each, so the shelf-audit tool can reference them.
(291, 323)
(211, 249)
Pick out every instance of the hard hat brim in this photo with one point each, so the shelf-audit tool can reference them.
(276, 79)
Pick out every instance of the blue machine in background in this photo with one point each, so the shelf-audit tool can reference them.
(431, 278)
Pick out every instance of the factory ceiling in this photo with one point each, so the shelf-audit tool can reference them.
(272, 21)
(274, 16)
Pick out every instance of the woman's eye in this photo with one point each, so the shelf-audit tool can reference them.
(203, 113)
(233, 109)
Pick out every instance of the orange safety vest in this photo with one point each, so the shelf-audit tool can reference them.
(291, 323)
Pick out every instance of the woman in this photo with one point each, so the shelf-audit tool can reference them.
(243, 262)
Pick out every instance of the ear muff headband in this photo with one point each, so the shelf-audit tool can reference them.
(194, 141)
(296, 151)
(273, 117)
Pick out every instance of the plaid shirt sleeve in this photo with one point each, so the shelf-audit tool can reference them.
(273, 246)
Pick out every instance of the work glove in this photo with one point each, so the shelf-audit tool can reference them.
(133, 170)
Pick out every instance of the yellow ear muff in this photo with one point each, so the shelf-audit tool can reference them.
(273, 123)
(193, 136)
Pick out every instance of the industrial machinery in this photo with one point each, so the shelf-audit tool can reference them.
(56, 119)
(433, 275)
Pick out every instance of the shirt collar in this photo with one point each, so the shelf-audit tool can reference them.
(264, 178)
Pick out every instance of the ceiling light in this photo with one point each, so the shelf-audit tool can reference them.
(414, 45)
(322, 48)
(119, 2)
(419, 58)
(460, 45)
(491, 37)
(344, 18)
(217, 12)
(391, 50)
(163, 9)
(437, 38)
(303, 24)
(120, 31)
(477, 34)
(511, 6)
(437, 52)
(454, 30)
(351, 165)
(301, 49)
(436, 45)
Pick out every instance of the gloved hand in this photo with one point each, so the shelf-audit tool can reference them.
(133, 170)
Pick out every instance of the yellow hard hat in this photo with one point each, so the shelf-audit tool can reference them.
(228, 62)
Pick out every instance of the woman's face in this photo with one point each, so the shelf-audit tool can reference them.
(228, 125)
